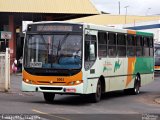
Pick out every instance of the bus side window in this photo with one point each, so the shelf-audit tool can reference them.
(102, 44)
(121, 44)
(112, 45)
(151, 46)
(131, 49)
(139, 46)
(145, 46)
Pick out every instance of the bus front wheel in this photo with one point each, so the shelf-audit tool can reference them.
(49, 97)
(96, 97)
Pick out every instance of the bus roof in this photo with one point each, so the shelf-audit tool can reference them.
(99, 27)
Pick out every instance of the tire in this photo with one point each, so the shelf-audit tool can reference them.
(136, 89)
(48, 97)
(96, 97)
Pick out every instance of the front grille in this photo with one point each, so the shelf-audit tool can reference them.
(43, 81)
(53, 83)
(51, 88)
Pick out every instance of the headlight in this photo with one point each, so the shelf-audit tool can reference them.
(28, 81)
(75, 82)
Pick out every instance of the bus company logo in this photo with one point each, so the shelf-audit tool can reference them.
(117, 65)
(107, 66)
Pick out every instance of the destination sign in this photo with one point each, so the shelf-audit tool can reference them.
(54, 28)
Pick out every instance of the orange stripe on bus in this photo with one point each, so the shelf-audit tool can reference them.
(131, 32)
(131, 67)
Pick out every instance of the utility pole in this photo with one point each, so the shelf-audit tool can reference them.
(126, 12)
(119, 7)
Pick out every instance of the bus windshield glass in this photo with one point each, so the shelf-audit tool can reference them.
(53, 51)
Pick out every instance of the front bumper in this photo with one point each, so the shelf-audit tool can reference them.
(77, 89)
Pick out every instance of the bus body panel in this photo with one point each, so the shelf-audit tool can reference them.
(120, 73)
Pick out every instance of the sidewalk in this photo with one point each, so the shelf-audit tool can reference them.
(16, 81)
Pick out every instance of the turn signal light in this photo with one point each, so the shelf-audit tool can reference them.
(75, 82)
(28, 81)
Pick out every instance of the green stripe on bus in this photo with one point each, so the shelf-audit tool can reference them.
(144, 65)
(144, 33)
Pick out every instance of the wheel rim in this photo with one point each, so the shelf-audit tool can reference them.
(137, 88)
(98, 94)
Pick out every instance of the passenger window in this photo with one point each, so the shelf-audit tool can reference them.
(102, 44)
(131, 49)
(131, 40)
(146, 46)
(121, 38)
(112, 44)
(139, 43)
(151, 46)
(121, 44)
(146, 41)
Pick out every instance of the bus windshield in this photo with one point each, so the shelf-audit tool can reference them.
(57, 51)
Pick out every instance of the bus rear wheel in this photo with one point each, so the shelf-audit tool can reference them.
(49, 97)
(96, 97)
(136, 89)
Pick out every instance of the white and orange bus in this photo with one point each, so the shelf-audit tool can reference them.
(85, 59)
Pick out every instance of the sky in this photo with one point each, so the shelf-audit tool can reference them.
(135, 7)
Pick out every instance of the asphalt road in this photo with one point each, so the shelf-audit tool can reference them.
(114, 105)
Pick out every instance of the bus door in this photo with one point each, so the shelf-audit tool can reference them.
(90, 56)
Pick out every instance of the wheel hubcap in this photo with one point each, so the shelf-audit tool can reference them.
(98, 91)
(137, 88)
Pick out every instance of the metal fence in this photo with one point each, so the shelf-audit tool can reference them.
(5, 70)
